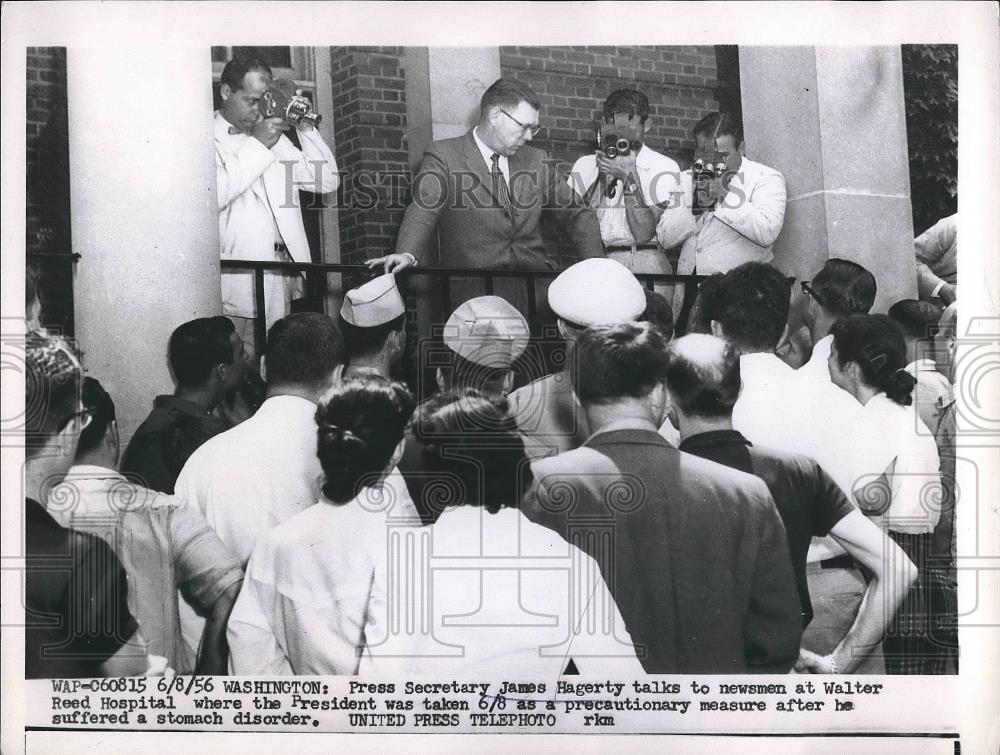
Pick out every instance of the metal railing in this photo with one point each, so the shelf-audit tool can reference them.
(441, 275)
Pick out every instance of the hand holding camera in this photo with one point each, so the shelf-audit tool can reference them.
(268, 130)
(616, 158)
(708, 174)
(282, 100)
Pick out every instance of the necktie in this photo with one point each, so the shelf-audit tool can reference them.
(500, 187)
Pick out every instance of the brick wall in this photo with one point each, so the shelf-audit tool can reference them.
(47, 204)
(573, 82)
(370, 123)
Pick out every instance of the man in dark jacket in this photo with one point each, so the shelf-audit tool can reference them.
(694, 553)
(484, 193)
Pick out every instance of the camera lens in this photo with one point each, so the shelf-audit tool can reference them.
(622, 145)
(611, 151)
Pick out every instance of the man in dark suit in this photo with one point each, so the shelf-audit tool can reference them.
(484, 193)
(694, 553)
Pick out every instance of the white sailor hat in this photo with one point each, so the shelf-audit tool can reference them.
(597, 291)
(487, 331)
(375, 303)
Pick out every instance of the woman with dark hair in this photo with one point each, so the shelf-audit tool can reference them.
(494, 592)
(304, 607)
(868, 360)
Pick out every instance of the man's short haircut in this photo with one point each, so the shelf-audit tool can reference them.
(303, 349)
(358, 341)
(461, 374)
(508, 94)
(698, 320)
(918, 319)
(626, 101)
(703, 375)
(751, 304)
(197, 346)
(659, 312)
(102, 411)
(237, 68)
(613, 362)
(845, 288)
(706, 126)
(729, 125)
(51, 389)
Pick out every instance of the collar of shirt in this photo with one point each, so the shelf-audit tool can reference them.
(222, 133)
(487, 154)
(286, 410)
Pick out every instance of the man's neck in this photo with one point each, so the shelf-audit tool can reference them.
(99, 457)
(484, 136)
(300, 391)
(625, 415)
(913, 352)
(205, 396)
(378, 362)
(820, 327)
(690, 426)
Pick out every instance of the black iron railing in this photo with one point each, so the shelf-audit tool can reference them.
(441, 275)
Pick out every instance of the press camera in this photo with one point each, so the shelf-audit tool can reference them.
(281, 100)
(704, 171)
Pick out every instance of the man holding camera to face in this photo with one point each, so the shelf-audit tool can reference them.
(628, 184)
(259, 172)
(733, 209)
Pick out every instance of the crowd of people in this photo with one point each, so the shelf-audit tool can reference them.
(761, 484)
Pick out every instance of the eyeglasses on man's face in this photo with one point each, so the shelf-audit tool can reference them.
(525, 128)
(810, 292)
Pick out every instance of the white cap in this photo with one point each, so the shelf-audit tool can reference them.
(597, 291)
(375, 303)
(487, 331)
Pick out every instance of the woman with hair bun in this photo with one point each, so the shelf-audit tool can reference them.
(304, 606)
(868, 360)
(496, 593)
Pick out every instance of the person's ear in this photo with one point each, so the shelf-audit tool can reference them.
(647, 127)
(563, 330)
(113, 440)
(263, 368)
(743, 147)
(439, 379)
(717, 329)
(224, 91)
(397, 454)
(338, 374)
(784, 337)
(508, 382)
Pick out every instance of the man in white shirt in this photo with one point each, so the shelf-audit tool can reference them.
(840, 289)
(258, 174)
(630, 190)
(779, 409)
(937, 261)
(250, 479)
(741, 211)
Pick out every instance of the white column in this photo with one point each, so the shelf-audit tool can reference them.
(832, 120)
(144, 215)
(458, 78)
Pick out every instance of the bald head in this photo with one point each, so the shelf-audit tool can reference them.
(703, 375)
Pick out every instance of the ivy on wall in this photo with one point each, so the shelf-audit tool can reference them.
(930, 85)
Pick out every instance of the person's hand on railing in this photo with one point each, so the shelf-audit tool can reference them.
(393, 263)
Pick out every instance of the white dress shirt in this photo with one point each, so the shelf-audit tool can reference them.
(258, 202)
(304, 606)
(496, 594)
(488, 153)
(659, 180)
(818, 366)
(742, 228)
(902, 442)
